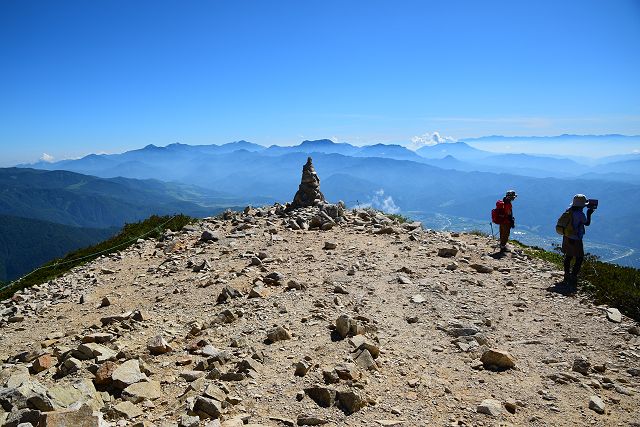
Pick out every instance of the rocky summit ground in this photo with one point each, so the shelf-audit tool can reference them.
(314, 317)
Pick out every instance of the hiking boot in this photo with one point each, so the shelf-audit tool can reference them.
(573, 280)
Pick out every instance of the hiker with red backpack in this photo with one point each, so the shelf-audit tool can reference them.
(503, 216)
(572, 225)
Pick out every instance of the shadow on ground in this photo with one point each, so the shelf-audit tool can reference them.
(563, 288)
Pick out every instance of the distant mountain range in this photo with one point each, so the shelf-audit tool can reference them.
(454, 179)
(421, 182)
(166, 162)
(585, 148)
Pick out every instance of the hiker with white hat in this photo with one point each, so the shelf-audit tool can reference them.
(572, 240)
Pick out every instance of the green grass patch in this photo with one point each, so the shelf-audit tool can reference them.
(478, 233)
(150, 227)
(605, 283)
(402, 219)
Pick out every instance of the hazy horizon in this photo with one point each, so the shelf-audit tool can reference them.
(429, 139)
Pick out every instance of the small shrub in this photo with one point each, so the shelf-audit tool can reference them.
(478, 233)
(402, 219)
(603, 282)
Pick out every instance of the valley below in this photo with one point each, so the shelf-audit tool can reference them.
(607, 252)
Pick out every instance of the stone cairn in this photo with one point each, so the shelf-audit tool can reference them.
(309, 193)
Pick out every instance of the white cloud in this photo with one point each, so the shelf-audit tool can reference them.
(47, 158)
(380, 202)
(429, 138)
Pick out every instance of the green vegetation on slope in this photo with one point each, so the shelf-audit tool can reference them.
(26, 243)
(86, 201)
(151, 227)
(606, 283)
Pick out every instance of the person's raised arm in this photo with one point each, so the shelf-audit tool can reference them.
(589, 212)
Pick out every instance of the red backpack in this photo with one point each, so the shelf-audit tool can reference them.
(499, 214)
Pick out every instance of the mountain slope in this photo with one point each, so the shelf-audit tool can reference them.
(380, 330)
(86, 201)
(27, 243)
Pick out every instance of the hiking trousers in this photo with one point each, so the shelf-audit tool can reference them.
(505, 230)
(572, 249)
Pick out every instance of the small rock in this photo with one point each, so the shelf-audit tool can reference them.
(127, 373)
(158, 345)
(258, 292)
(330, 245)
(191, 376)
(323, 396)
(418, 299)
(106, 302)
(346, 326)
(189, 421)
(360, 342)
(302, 367)
(511, 406)
(147, 390)
(596, 404)
(339, 289)
(104, 373)
(209, 236)
(42, 363)
(364, 359)
(494, 359)
(481, 268)
(447, 252)
(278, 334)
(71, 365)
(490, 407)
(82, 417)
(581, 365)
(228, 293)
(127, 410)
(210, 408)
(613, 314)
(350, 401)
(404, 280)
(98, 337)
(310, 420)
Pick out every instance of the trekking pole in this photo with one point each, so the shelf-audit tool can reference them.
(492, 235)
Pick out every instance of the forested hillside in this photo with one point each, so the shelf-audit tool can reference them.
(27, 243)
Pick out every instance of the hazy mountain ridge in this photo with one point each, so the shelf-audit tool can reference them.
(463, 188)
(152, 161)
(586, 148)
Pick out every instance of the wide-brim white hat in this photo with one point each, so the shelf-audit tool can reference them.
(579, 201)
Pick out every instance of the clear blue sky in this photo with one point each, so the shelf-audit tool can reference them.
(105, 76)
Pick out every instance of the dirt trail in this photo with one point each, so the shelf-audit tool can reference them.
(430, 303)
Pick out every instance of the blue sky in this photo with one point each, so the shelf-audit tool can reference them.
(106, 76)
